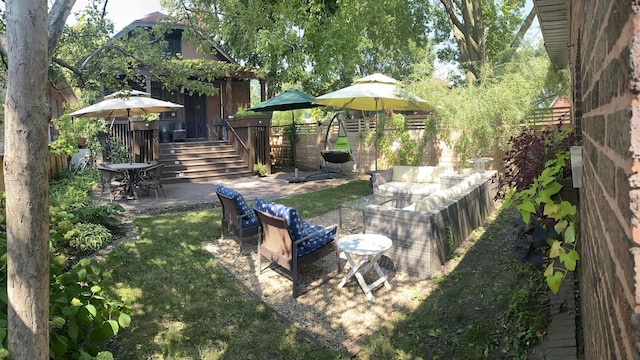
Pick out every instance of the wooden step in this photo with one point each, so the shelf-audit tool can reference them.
(200, 161)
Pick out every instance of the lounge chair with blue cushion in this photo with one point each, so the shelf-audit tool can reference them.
(291, 242)
(237, 217)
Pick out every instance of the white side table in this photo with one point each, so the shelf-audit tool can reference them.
(368, 248)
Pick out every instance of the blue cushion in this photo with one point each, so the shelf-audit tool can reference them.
(317, 241)
(243, 209)
(298, 228)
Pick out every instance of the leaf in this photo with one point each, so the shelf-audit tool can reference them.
(554, 281)
(539, 236)
(527, 206)
(111, 326)
(526, 217)
(556, 249)
(59, 345)
(91, 309)
(570, 234)
(561, 225)
(82, 274)
(553, 188)
(73, 330)
(574, 255)
(551, 209)
(124, 320)
(549, 270)
(95, 289)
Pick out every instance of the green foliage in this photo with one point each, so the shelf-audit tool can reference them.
(548, 238)
(70, 192)
(105, 215)
(477, 119)
(242, 112)
(260, 169)
(118, 154)
(528, 153)
(83, 315)
(88, 236)
(393, 141)
(75, 219)
(318, 43)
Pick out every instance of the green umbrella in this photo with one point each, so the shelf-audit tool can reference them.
(374, 93)
(291, 99)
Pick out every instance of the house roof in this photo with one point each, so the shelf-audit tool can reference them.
(153, 19)
(553, 16)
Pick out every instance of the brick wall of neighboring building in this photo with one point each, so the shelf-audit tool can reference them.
(601, 53)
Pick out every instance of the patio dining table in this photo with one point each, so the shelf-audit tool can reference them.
(133, 170)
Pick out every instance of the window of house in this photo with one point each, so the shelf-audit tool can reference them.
(173, 96)
(174, 40)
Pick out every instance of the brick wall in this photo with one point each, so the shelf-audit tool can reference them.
(601, 53)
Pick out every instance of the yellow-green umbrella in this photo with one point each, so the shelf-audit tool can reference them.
(374, 93)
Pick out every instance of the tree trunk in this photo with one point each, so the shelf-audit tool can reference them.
(26, 166)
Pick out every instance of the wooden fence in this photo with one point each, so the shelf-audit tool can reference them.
(310, 142)
(56, 162)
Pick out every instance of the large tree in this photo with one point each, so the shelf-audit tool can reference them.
(318, 43)
(474, 33)
(29, 40)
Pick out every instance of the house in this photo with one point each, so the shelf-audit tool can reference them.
(192, 141)
(200, 119)
(599, 42)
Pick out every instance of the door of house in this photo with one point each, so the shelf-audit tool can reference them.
(195, 113)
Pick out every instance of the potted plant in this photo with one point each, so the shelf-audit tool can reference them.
(260, 169)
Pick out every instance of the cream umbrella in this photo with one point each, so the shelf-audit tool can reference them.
(125, 104)
(374, 93)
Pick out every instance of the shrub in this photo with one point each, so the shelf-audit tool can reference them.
(547, 235)
(88, 236)
(82, 316)
(527, 155)
(100, 214)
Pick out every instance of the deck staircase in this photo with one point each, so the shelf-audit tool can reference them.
(200, 161)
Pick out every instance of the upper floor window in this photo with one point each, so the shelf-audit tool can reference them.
(174, 44)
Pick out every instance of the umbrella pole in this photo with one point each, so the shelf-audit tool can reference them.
(293, 141)
(375, 143)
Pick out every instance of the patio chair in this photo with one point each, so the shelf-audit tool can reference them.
(291, 242)
(151, 178)
(237, 217)
(111, 180)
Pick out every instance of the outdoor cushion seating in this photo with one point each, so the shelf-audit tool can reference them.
(237, 217)
(289, 241)
(407, 183)
(439, 197)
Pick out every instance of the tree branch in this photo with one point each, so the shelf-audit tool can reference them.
(451, 12)
(68, 66)
(526, 24)
(103, 48)
(57, 18)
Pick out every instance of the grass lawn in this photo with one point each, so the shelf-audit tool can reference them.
(187, 307)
